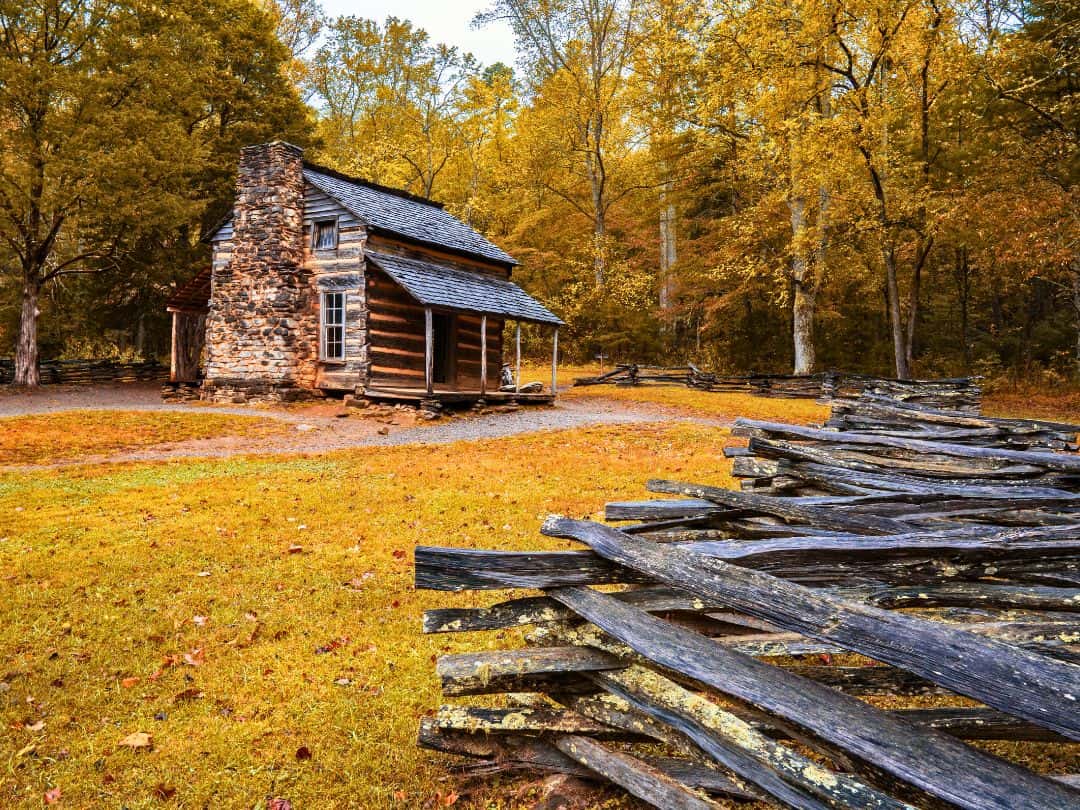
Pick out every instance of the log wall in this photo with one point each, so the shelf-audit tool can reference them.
(396, 335)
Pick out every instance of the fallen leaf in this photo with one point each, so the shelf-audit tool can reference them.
(137, 741)
(242, 641)
(199, 621)
(399, 554)
(188, 694)
(330, 646)
(52, 796)
(127, 683)
(296, 549)
(278, 804)
(38, 726)
(195, 658)
(164, 792)
(303, 752)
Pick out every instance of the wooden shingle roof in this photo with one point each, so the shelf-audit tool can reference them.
(397, 213)
(439, 285)
(193, 295)
(405, 215)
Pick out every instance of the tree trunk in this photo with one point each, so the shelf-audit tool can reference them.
(892, 291)
(594, 159)
(962, 273)
(668, 257)
(1074, 268)
(668, 252)
(913, 315)
(26, 349)
(802, 309)
(599, 247)
(802, 328)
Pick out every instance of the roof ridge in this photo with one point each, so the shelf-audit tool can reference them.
(397, 192)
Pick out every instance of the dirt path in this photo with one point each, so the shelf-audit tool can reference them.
(326, 426)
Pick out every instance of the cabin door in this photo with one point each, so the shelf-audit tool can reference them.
(443, 339)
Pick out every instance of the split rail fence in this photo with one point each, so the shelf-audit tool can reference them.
(961, 393)
(883, 597)
(89, 372)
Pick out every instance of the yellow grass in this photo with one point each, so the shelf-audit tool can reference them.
(110, 576)
(242, 611)
(1057, 406)
(80, 434)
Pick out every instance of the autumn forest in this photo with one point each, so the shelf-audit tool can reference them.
(886, 186)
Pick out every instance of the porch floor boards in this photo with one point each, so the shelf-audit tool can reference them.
(419, 394)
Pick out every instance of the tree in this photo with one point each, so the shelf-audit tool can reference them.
(114, 117)
(577, 54)
(393, 101)
(298, 24)
(780, 92)
(665, 87)
(1033, 71)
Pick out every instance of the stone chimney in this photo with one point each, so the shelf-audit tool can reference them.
(257, 329)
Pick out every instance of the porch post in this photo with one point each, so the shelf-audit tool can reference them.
(483, 355)
(173, 361)
(517, 373)
(429, 352)
(555, 362)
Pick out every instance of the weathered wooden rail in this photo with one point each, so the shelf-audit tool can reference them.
(961, 395)
(930, 557)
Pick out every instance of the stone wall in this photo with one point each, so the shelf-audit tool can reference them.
(262, 328)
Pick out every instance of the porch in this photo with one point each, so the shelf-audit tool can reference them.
(436, 333)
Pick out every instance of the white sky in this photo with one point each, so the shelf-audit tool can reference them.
(445, 21)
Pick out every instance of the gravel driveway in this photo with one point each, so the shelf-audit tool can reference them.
(320, 427)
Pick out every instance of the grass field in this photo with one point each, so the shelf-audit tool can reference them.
(71, 435)
(248, 613)
(255, 617)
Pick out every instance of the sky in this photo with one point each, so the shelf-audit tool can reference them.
(445, 21)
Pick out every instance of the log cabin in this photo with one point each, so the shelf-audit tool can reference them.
(320, 282)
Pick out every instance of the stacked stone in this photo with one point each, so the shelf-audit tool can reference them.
(261, 328)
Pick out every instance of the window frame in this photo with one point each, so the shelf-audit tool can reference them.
(333, 222)
(324, 325)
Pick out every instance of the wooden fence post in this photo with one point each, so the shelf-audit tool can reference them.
(483, 355)
(517, 372)
(555, 362)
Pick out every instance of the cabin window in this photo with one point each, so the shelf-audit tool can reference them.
(324, 234)
(332, 317)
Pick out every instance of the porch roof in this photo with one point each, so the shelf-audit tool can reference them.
(193, 295)
(440, 285)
